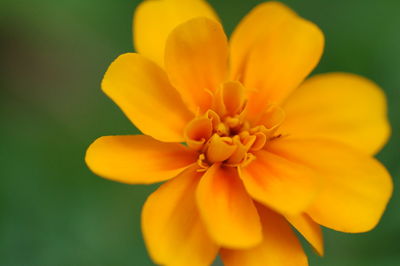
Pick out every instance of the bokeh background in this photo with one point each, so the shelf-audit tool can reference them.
(54, 211)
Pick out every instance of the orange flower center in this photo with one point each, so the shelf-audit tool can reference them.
(223, 134)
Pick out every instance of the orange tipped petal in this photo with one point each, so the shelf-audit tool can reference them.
(280, 246)
(260, 22)
(259, 143)
(227, 210)
(240, 153)
(198, 131)
(173, 231)
(196, 56)
(220, 149)
(283, 185)
(142, 90)
(272, 117)
(137, 159)
(341, 107)
(154, 20)
(355, 187)
(280, 62)
(230, 99)
(309, 229)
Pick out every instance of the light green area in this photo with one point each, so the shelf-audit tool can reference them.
(54, 211)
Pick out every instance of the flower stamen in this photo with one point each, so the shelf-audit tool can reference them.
(224, 135)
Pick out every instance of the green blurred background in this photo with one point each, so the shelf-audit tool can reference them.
(54, 211)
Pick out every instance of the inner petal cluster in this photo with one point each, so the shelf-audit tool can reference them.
(224, 133)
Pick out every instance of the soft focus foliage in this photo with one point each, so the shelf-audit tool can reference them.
(54, 53)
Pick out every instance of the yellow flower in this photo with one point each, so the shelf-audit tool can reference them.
(264, 148)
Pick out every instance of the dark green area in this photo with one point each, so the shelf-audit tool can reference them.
(54, 211)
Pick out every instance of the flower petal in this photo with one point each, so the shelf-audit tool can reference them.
(280, 246)
(137, 159)
(281, 184)
(230, 99)
(172, 228)
(280, 62)
(309, 229)
(258, 23)
(196, 57)
(227, 210)
(342, 107)
(142, 90)
(155, 19)
(356, 187)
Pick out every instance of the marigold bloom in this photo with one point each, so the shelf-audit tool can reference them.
(264, 148)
